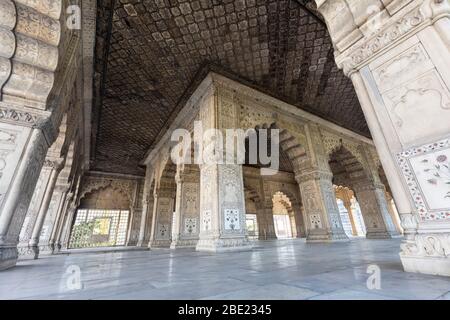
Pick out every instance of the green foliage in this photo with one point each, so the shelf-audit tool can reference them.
(81, 234)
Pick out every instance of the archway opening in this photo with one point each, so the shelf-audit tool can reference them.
(347, 172)
(262, 220)
(251, 209)
(165, 206)
(350, 212)
(283, 216)
(101, 220)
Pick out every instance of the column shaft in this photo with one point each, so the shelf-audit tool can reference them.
(18, 196)
(319, 200)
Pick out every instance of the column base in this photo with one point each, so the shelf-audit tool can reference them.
(46, 249)
(324, 236)
(439, 266)
(142, 244)
(183, 243)
(395, 234)
(267, 237)
(160, 244)
(28, 252)
(8, 257)
(224, 245)
(378, 235)
(57, 247)
(427, 253)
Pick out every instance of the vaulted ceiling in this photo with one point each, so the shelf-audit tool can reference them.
(149, 53)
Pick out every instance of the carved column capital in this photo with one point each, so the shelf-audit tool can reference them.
(313, 175)
(365, 185)
(362, 30)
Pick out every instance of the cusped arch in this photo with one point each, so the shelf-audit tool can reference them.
(288, 199)
(252, 193)
(123, 187)
(166, 179)
(343, 161)
(288, 142)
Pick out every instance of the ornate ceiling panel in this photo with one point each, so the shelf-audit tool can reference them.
(148, 52)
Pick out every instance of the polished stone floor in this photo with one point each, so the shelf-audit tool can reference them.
(283, 269)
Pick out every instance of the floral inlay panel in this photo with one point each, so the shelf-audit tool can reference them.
(427, 172)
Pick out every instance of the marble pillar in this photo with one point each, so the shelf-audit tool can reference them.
(314, 177)
(33, 245)
(398, 58)
(222, 215)
(161, 235)
(393, 211)
(53, 221)
(32, 213)
(19, 178)
(64, 233)
(187, 210)
(222, 199)
(266, 226)
(374, 208)
(323, 221)
(147, 208)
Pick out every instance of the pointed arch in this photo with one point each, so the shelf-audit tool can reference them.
(291, 153)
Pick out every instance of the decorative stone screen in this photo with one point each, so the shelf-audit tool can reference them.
(99, 228)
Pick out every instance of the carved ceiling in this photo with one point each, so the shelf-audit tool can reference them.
(149, 52)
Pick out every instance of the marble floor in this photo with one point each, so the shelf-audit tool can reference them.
(282, 269)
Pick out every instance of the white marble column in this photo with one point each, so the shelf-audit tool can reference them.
(64, 210)
(266, 226)
(323, 221)
(32, 213)
(187, 208)
(62, 243)
(399, 62)
(55, 167)
(322, 218)
(17, 185)
(222, 209)
(374, 209)
(52, 221)
(147, 207)
(161, 235)
(222, 199)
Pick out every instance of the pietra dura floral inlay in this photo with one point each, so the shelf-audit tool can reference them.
(427, 172)
(232, 219)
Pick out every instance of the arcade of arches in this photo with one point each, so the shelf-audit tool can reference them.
(360, 97)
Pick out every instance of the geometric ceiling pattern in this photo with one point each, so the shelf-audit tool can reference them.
(150, 52)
